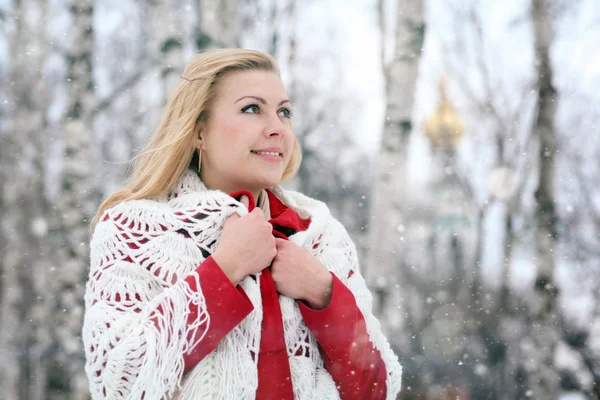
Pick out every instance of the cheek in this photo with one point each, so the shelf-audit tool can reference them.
(290, 139)
(234, 137)
(231, 130)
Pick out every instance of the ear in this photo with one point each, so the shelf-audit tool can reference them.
(198, 134)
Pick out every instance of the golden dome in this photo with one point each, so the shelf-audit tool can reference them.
(444, 128)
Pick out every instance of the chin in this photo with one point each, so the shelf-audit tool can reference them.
(269, 181)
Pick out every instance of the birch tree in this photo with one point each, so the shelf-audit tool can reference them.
(543, 379)
(527, 349)
(22, 317)
(166, 40)
(17, 281)
(386, 250)
(220, 22)
(75, 205)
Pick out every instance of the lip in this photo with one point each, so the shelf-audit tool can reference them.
(270, 149)
(268, 157)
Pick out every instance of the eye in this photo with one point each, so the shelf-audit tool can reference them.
(287, 113)
(254, 107)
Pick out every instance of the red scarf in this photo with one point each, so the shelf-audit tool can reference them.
(274, 376)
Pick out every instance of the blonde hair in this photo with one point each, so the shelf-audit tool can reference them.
(169, 151)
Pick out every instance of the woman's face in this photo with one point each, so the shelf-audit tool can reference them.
(248, 140)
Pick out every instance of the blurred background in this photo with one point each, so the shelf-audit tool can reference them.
(458, 141)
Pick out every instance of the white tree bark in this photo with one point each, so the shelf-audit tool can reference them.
(166, 41)
(388, 225)
(543, 379)
(75, 205)
(22, 316)
(220, 21)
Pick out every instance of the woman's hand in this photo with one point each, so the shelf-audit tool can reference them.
(299, 275)
(246, 245)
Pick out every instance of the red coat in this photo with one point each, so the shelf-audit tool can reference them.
(339, 328)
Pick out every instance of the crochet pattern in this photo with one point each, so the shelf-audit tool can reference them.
(136, 327)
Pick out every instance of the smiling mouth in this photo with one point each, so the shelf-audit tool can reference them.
(267, 153)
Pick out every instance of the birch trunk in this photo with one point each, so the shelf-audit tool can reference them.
(387, 227)
(166, 41)
(220, 22)
(68, 220)
(543, 379)
(22, 317)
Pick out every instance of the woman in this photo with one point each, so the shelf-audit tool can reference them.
(208, 280)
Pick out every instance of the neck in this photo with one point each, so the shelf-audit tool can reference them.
(255, 194)
(228, 188)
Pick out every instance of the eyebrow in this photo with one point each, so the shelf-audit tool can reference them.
(263, 101)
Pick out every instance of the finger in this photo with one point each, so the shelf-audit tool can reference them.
(245, 201)
(233, 216)
(279, 242)
(275, 256)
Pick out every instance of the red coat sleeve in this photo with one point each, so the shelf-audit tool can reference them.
(227, 306)
(349, 356)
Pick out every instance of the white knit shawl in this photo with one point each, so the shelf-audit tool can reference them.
(138, 257)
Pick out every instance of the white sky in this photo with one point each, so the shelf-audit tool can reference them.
(356, 40)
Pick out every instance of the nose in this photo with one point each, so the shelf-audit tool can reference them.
(275, 126)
